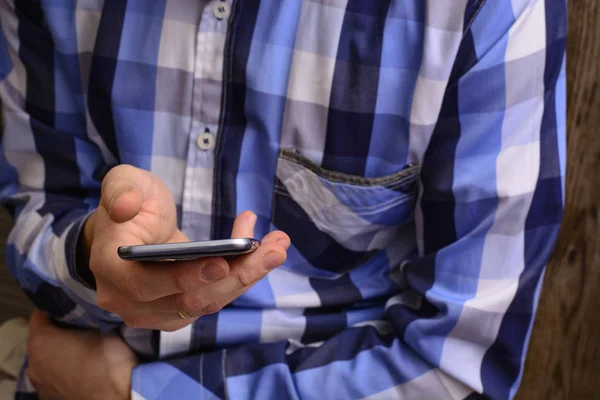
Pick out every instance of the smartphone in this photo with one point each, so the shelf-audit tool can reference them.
(188, 250)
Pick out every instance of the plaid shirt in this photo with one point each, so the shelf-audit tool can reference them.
(414, 151)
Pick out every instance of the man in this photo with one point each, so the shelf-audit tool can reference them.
(401, 160)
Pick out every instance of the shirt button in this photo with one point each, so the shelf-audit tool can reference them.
(221, 9)
(205, 141)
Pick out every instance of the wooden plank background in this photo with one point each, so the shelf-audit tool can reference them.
(564, 355)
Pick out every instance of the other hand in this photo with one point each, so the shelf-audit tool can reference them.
(69, 364)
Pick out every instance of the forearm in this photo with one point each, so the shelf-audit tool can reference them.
(42, 253)
(46, 178)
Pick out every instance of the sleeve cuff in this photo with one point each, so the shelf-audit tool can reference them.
(76, 260)
(78, 286)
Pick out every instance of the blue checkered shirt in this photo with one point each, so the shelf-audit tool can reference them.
(413, 150)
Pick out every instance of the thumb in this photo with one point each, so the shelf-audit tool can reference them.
(122, 194)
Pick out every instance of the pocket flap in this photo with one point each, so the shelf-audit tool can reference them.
(337, 221)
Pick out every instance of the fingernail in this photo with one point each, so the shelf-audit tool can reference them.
(283, 243)
(212, 272)
(272, 260)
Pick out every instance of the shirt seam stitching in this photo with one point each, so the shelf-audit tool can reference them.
(473, 18)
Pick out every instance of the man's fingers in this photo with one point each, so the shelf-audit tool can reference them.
(122, 192)
(243, 226)
(146, 282)
(247, 270)
(149, 320)
(168, 321)
(150, 295)
(244, 273)
(278, 237)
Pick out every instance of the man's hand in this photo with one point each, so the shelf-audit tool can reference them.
(137, 208)
(68, 364)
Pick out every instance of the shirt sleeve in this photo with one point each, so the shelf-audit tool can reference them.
(488, 212)
(47, 173)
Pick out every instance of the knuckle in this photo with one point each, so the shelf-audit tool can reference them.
(245, 277)
(270, 247)
(182, 302)
(183, 281)
(191, 301)
(212, 308)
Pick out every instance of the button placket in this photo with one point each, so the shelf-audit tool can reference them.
(198, 183)
(205, 116)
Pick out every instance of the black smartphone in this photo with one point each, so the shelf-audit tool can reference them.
(188, 250)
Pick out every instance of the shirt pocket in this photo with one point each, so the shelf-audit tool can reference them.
(337, 221)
